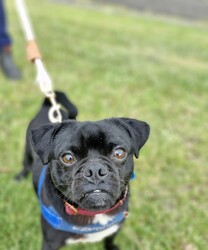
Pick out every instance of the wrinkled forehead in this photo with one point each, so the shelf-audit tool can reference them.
(87, 136)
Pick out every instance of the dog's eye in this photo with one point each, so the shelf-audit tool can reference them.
(68, 159)
(119, 153)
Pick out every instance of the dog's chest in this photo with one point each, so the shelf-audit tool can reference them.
(102, 219)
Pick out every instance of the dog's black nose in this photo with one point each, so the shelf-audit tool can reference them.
(96, 172)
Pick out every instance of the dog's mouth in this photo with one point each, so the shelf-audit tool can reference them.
(95, 193)
(95, 202)
(97, 199)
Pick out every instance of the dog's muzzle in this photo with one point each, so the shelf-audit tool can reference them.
(71, 210)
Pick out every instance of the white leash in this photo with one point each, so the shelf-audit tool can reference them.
(43, 78)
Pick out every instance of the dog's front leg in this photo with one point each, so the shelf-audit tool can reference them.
(46, 246)
(108, 243)
(52, 239)
(55, 245)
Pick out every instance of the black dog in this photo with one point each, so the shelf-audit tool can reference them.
(81, 173)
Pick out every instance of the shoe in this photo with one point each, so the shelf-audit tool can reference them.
(8, 66)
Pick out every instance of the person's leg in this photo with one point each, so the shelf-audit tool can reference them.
(6, 62)
(5, 40)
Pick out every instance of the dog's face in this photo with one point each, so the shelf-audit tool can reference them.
(91, 162)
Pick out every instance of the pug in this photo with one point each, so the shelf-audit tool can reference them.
(81, 174)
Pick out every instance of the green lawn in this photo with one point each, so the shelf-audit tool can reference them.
(117, 64)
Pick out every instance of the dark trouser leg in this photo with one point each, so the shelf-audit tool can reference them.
(6, 61)
(5, 40)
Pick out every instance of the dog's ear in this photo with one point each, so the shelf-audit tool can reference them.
(41, 140)
(138, 131)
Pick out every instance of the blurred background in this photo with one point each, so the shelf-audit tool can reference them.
(141, 59)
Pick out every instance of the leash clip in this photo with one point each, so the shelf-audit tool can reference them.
(54, 113)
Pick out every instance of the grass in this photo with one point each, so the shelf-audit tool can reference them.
(117, 64)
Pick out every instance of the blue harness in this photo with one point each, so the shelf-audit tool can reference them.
(56, 221)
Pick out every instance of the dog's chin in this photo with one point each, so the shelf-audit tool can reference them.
(97, 201)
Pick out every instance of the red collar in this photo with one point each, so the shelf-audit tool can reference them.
(71, 210)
